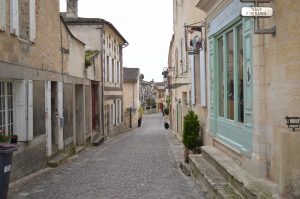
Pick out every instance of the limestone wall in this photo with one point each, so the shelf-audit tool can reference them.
(44, 53)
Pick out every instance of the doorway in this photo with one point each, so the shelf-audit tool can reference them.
(79, 115)
(95, 107)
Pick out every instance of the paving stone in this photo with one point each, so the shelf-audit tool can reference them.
(143, 163)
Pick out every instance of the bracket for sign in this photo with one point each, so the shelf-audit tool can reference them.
(256, 21)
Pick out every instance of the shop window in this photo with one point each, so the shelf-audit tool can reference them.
(230, 69)
(221, 76)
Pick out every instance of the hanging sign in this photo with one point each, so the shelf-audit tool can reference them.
(257, 12)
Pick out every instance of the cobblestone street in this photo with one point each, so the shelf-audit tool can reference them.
(142, 163)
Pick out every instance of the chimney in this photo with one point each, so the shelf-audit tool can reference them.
(72, 8)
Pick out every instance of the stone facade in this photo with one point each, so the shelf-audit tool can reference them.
(44, 64)
(131, 82)
(100, 35)
(184, 68)
(274, 79)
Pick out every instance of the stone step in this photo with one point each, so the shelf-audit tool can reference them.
(97, 139)
(79, 149)
(185, 168)
(58, 160)
(246, 184)
(203, 172)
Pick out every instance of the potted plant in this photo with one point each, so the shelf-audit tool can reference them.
(6, 151)
(4, 138)
(191, 137)
(140, 116)
(14, 139)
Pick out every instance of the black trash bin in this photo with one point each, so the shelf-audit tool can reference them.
(140, 121)
(6, 151)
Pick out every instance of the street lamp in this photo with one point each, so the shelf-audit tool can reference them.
(165, 75)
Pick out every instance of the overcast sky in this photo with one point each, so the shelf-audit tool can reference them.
(146, 25)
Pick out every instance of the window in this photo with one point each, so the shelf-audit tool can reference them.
(111, 114)
(6, 107)
(107, 69)
(181, 55)
(240, 76)
(2, 15)
(230, 70)
(23, 19)
(221, 76)
(113, 70)
(118, 111)
(118, 72)
(230, 89)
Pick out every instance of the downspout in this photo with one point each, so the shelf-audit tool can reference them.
(62, 71)
(133, 102)
(102, 81)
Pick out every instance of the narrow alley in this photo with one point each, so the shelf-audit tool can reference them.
(142, 163)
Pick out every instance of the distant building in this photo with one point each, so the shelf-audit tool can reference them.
(101, 35)
(160, 95)
(131, 83)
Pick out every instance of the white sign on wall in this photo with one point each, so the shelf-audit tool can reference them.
(257, 12)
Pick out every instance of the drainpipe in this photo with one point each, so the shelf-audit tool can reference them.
(102, 80)
(62, 72)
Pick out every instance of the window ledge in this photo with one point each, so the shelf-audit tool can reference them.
(24, 41)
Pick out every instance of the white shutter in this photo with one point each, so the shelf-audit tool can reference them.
(192, 61)
(202, 79)
(2, 15)
(23, 121)
(32, 21)
(48, 117)
(14, 17)
(19, 90)
(114, 113)
(29, 133)
(120, 111)
(60, 115)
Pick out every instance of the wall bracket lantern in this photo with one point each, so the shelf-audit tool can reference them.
(197, 27)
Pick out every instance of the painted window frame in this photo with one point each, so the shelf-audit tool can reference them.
(7, 113)
(233, 133)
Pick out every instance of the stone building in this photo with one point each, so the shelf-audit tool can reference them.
(131, 83)
(160, 95)
(147, 94)
(252, 85)
(186, 86)
(43, 82)
(99, 34)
